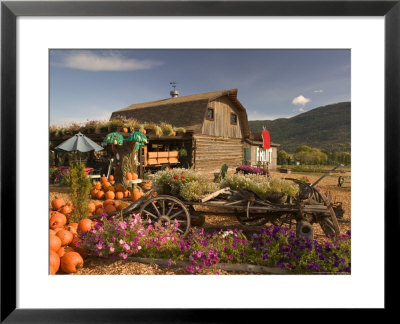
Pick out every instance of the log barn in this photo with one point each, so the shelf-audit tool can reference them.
(216, 126)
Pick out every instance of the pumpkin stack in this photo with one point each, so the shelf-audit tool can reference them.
(64, 254)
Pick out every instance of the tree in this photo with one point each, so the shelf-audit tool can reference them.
(283, 157)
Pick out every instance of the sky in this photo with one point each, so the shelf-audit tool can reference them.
(91, 84)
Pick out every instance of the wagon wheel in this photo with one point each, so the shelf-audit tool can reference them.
(328, 223)
(165, 210)
(250, 217)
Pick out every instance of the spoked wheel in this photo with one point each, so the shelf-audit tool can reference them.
(165, 210)
(328, 222)
(251, 217)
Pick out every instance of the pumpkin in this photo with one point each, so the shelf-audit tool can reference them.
(54, 262)
(98, 203)
(125, 130)
(66, 210)
(57, 203)
(65, 236)
(92, 207)
(56, 230)
(173, 134)
(127, 193)
(97, 185)
(99, 211)
(111, 178)
(85, 225)
(119, 195)
(128, 176)
(144, 132)
(70, 205)
(110, 188)
(134, 176)
(54, 243)
(106, 184)
(110, 195)
(103, 179)
(108, 202)
(57, 220)
(93, 192)
(64, 249)
(72, 227)
(71, 262)
(100, 194)
(52, 232)
(110, 209)
(136, 194)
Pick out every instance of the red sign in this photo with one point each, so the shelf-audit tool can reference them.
(266, 139)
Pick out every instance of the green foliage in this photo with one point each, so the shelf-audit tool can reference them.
(326, 128)
(182, 152)
(79, 190)
(260, 185)
(283, 157)
(303, 148)
(185, 183)
(53, 173)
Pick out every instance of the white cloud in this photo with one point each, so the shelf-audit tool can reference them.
(111, 61)
(318, 91)
(300, 101)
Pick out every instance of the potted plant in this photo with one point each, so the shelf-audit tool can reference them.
(179, 131)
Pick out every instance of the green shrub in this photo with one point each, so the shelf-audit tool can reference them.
(79, 190)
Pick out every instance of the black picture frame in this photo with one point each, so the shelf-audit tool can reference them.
(10, 10)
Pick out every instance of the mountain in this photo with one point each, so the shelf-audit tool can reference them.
(326, 127)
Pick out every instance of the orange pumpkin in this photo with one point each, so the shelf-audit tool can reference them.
(144, 132)
(94, 192)
(66, 210)
(99, 211)
(103, 179)
(57, 220)
(64, 249)
(136, 194)
(65, 236)
(54, 243)
(128, 176)
(134, 176)
(108, 202)
(173, 134)
(100, 194)
(111, 178)
(92, 207)
(97, 185)
(57, 203)
(127, 193)
(52, 232)
(109, 195)
(106, 184)
(98, 203)
(125, 130)
(54, 262)
(71, 262)
(110, 209)
(70, 205)
(85, 225)
(119, 195)
(72, 227)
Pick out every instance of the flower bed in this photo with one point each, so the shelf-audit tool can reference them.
(248, 169)
(273, 246)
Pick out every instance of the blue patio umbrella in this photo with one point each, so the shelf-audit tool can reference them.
(80, 143)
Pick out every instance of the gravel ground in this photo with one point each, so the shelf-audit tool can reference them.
(216, 221)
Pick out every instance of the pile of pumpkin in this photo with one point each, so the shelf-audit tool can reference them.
(105, 189)
(64, 236)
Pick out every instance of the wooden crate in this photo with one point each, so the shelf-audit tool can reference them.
(162, 160)
(162, 154)
(152, 155)
(152, 161)
(173, 154)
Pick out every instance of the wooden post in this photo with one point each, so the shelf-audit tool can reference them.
(128, 160)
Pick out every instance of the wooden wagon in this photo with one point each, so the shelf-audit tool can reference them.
(308, 207)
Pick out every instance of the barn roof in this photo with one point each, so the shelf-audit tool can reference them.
(185, 111)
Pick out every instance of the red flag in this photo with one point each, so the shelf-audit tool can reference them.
(266, 139)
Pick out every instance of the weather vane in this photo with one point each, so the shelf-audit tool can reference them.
(173, 83)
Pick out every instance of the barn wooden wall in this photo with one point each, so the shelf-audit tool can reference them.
(221, 125)
(212, 152)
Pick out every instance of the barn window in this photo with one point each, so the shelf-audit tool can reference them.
(233, 119)
(210, 113)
